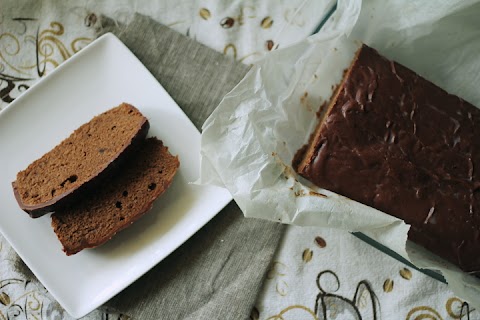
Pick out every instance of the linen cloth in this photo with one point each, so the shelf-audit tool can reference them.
(290, 290)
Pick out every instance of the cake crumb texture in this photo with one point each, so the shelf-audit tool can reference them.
(83, 155)
(118, 202)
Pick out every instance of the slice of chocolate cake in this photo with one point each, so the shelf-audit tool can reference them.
(119, 201)
(72, 168)
(396, 142)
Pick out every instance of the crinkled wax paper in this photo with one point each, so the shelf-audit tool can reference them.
(249, 141)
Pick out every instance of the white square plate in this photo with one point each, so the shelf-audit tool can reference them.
(99, 77)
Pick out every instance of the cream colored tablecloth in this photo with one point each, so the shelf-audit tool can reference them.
(314, 269)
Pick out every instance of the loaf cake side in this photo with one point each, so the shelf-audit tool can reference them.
(119, 201)
(396, 142)
(305, 155)
(72, 168)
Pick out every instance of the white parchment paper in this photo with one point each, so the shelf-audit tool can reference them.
(249, 141)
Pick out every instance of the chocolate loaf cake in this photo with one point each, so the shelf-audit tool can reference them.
(396, 142)
(71, 169)
(119, 201)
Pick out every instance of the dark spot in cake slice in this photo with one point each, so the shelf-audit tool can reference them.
(70, 179)
(152, 186)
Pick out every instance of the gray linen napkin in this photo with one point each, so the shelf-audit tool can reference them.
(219, 271)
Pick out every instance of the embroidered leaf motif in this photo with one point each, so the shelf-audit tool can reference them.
(4, 299)
(269, 44)
(205, 13)
(388, 285)
(227, 23)
(266, 23)
(320, 242)
(307, 255)
(406, 274)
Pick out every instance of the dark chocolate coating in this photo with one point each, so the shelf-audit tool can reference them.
(76, 194)
(396, 142)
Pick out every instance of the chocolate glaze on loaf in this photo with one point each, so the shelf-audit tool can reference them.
(396, 142)
(74, 167)
(119, 201)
